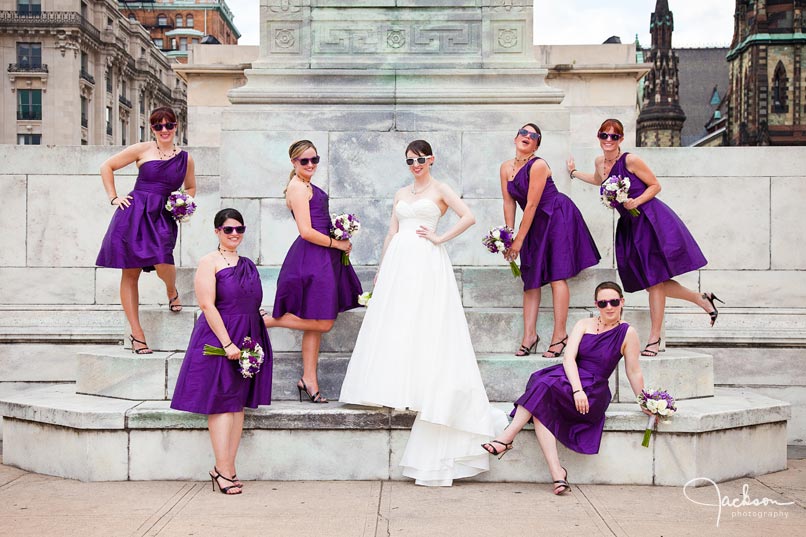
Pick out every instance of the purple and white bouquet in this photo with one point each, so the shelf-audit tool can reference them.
(250, 360)
(614, 191)
(342, 228)
(659, 403)
(181, 205)
(498, 240)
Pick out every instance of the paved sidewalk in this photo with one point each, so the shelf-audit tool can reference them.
(33, 504)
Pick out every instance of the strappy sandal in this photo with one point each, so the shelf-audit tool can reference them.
(492, 450)
(176, 308)
(649, 353)
(556, 354)
(141, 350)
(315, 398)
(526, 351)
(215, 475)
(711, 297)
(561, 486)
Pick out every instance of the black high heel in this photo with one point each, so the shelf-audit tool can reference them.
(562, 484)
(649, 353)
(224, 490)
(492, 450)
(556, 354)
(315, 398)
(141, 350)
(176, 308)
(526, 351)
(711, 297)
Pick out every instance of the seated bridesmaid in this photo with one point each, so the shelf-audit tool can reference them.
(229, 292)
(567, 401)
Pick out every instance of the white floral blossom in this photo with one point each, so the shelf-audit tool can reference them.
(364, 298)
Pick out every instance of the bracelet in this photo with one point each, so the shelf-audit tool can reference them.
(571, 173)
(112, 201)
(227, 345)
(331, 243)
(575, 391)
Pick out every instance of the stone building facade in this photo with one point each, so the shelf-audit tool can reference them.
(766, 57)
(79, 73)
(175, 25)
(660, 122)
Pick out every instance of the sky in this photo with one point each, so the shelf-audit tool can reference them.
(697, 23)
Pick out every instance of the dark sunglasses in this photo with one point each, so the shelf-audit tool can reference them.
(167, 126)
(305, 161)
(227, 230)
(604, 136)
(615, 302)
(533, 135)
(419, 160)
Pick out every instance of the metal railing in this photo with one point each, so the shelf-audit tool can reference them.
(27, 68)
(84, 121)
(109, 130)
(29, 112)
(124, 101)
(86, 76)
(47, 19)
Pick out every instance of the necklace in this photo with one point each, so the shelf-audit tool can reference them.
(222, 250)
(612, 161)
(426, 187)
(601, 327)
(521, 162)
(166, 156)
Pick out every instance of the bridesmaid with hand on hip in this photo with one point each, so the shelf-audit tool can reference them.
(142, 234)
(313, 286)
(553, 241)
(654, 246)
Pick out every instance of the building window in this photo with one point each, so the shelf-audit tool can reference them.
(29, 139)
(85, 62)
(142, 133)
(109, 121)
(183, 43)
(194, 41)
(29, 55)
(179, 21)
(158, 43)
(132, 18)
(29, 104)
(84, 112)
(142, 103)
(123, 92)
(162, 20)
(779, 90)
(108, 81)
(122, 132)
(29, 7)
(189, 23)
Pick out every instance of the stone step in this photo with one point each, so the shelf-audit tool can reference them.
(103, 439)
(738, 327)
(115, 372)
(47, 324)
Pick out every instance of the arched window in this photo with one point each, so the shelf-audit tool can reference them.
(779, 90)
(189, 21)
(179, 21)
(162, 20)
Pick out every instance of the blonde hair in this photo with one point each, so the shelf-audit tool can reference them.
(298, 148)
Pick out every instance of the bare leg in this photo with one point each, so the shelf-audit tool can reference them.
(293, 322)
(675, 290)
(561, 298)
(310, 360)
(235, 438)
(531, 305)
(548, 445)
(221, 429)
(657, 308)
(167, 273)
(130, 300)
(519, 421)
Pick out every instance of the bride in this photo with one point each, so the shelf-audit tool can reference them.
(413, 349)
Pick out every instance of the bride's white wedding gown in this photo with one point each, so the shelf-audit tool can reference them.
(414, 351)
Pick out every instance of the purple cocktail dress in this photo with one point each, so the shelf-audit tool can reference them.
(213, 384)
(654, 246)
(548, 394)
(144, 234)
(313, 283)
(558, 244)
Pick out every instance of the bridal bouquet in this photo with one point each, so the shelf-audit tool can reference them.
(181, 205)
(364, 298)
(342, 228)
(659, 403)
(615, 191)
(498, 240)
(250, 360)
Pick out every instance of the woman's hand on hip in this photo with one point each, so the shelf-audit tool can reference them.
(122, 203)
(428, 234)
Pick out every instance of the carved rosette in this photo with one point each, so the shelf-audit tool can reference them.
(507, 37)
(396, 38)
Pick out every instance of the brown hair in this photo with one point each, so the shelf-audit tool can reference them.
(608, 285)
(163, 112)
(614, 124)
(420, 147)
(537, 130)
(298, 148)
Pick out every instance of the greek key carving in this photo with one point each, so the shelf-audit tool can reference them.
(508, 5)
(285, 6)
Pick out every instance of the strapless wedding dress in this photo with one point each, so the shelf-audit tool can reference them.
(414, 351)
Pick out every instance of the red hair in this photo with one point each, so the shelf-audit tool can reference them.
(614, 124)
(163, 112)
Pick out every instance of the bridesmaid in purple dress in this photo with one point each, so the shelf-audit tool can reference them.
(142, 234)
(653, 247)
(567, 401)
(553, 241)
(229, 292)
(313, 286)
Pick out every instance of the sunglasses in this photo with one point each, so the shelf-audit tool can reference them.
(604, 136)
(228, 230)
(167, 126)
(533, 135)
(305, 161)
(418, 160)
(615, 302)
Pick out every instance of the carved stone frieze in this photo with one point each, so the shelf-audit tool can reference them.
(384, 38)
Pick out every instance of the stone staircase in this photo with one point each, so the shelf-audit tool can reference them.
(114, 422)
